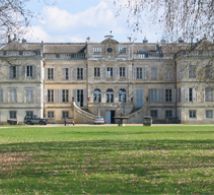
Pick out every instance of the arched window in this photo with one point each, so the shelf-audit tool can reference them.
(97, 96)
(109, 96)
(122, 95)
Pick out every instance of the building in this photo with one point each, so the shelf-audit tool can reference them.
(80, 81)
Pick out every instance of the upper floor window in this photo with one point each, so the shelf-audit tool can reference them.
(50, 95)
(190, 94)
(29, 71)
(122, 72)
(209, 94)
(65, 95)
(66, 73)
(154, 73)
(96, 72)
(13, 72)
(110, 96)
(13, 95)
(122, 95)
(50, 74)
(109, 72)
(29, 95)
(97, 96)
(79, 73)
(209, 72)
(168, 95)
(154, 95)
(192, 71)
(1, 96)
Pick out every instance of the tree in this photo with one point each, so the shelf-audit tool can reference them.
(189, 19)
(13, 16)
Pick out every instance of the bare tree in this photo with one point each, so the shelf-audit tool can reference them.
(182, 18)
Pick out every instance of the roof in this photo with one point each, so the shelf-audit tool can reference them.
(64, 48)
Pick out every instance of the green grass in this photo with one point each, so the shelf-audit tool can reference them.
(107, 160)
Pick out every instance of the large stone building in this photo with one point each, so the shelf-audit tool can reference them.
(80, 81)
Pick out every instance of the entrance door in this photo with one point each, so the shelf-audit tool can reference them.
(109, 117)
(80, 97)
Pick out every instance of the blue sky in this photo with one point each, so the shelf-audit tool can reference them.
(75, 20)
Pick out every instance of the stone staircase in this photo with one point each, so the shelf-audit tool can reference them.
(82, 116)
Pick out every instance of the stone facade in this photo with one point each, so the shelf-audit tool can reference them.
(80, 81)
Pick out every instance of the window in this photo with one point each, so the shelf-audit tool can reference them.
(122, 71)
(29, 71)
(209, 94)
(13, 95)
(65, 114)
(154, 73)
(190, 94)
(65, 95)
(50, 114)
(154, 95)
(97, 96)
(29, 114)
(79, 73)
(12, 114)
(66, 73)
(50, 74)
(209, 114)
(208, 72)
(13, 72)
(154, 113)
(97, 50)
(192, 71)
(109, 72)
(96, 72)
(80, 97)
(1, 96)
(122, 95)
(28, 95)
(110, 96)
(192, 114)
(122, 50)
(50, 95)
(168, 114)
(139, 72)
(168, 95)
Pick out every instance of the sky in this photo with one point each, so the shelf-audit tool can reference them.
(75, 20)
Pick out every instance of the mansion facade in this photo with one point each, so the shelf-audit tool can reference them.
(80, 81)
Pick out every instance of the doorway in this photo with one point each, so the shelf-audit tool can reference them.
(109, 117)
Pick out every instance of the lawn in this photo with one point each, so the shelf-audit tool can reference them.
(107, 160)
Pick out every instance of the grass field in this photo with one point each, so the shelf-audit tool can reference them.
(107, 160)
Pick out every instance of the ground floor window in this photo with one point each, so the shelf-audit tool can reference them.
(12, 114)
(209, 114)
(154, 113)
(192, 114)
(51, 114)
(65, 114)
(168, 113)
(29, 114)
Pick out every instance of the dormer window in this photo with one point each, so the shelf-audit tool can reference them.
(122, 50)
(97, 50)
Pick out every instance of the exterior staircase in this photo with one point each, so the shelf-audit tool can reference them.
(82, 116)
